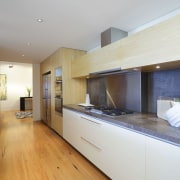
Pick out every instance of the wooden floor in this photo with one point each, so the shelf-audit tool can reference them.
(31, 151)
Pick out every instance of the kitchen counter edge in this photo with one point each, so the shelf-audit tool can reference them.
(146, 124)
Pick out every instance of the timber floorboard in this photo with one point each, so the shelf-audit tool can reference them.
(31, 151)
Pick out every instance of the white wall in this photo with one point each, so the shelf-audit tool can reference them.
(18, 79)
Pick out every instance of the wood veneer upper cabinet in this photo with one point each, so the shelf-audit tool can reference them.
(157, 44)
(73, 89)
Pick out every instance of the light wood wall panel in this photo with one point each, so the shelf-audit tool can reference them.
(73, 89)
(157, 44)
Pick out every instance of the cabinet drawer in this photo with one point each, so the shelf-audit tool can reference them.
(95, 153)
(92, 130)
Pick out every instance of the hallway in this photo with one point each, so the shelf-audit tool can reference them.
(31, 151)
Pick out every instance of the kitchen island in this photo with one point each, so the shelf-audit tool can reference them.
(134, 146)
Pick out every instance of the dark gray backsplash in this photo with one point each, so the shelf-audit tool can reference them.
(162, 83)
(134, 91)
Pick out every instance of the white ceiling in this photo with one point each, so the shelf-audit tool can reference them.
(69, 23)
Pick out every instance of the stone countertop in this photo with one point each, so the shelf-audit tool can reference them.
(146, 124)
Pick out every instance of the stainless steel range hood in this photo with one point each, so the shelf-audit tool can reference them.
(107, 37)
(111, 35)
(109, 72)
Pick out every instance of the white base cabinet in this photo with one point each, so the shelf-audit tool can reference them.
(71, 128)
(126, 153)
(162, 160)
(118, 152)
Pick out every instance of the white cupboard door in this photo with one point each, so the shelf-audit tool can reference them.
(162, 160)
(71, 127)
(126, 153)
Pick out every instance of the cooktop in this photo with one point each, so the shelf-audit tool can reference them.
(112, 112)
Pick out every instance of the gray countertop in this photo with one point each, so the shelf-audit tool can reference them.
(146, 124)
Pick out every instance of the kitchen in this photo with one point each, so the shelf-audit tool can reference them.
(142, 131)
(144, 88)
(127, 54)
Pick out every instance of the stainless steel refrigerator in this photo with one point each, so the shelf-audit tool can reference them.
(46, 108)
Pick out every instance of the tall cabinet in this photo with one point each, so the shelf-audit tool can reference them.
(73, 89)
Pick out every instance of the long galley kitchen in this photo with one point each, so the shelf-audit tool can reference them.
(120, 124)
(123, 130)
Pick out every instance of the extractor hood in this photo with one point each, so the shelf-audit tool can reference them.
(107, 37)
(108, 72)
(111, 35)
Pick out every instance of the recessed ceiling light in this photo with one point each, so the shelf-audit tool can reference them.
(22, 55)
(28, 43)
(157, 67)
(39, 20)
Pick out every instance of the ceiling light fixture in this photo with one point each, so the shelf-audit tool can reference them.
(22, 55)
(39, 20)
